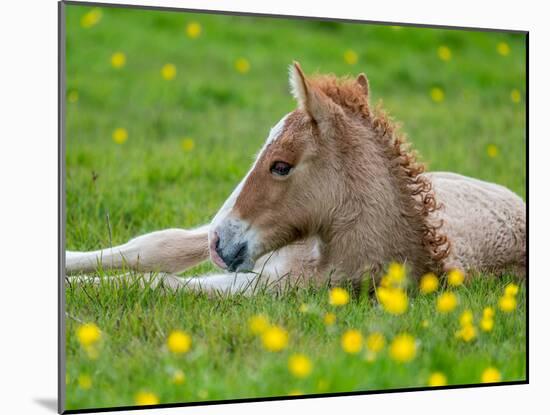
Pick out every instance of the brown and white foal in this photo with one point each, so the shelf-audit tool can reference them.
(334, 193)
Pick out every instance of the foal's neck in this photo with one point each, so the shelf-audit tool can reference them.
(379, 219)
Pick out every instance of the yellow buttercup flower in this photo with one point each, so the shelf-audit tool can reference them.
(507, 303)
(393, 300)
(487, 323)
(351, 57)
(275, 339)
(88, 334)
(168, 71)
(492, 150)
(84, 382)
(258, 324)
(178, 377)
(488, 312)
(515, 96)
(375, 342)
(455, 277)
(242, 65)
(352, 341)
(146, 398)
(503, 49)
(338, 297)
(403, 348)
(91, 18)
(329, 319)
(118, 60)
(299, 365)
(467, 333)
(120, 135)
(467, 317)
(490, 375)
(437, 94)
(396, 274)
(444, 53)
(428, 283)
(295, 392)
(511, 289)
(447, 302)
(437, 379)
(179, 342)
(193, 30)
(187, 144)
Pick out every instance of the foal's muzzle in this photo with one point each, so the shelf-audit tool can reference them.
(227, 253)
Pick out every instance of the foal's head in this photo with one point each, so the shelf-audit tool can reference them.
(296, 184)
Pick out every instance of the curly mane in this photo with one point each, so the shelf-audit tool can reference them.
(417, 195)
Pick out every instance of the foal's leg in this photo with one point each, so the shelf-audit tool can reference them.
(170, 250)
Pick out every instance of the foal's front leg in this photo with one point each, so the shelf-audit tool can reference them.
(170, 250)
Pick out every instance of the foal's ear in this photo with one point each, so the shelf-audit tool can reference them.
(308, 97)
(363, 83)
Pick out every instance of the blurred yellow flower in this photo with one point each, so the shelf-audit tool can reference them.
(120, 135)
(338, 297)
(72, 96)
(91, 18)
(511, 289)
(467, 317)
(444, 53)
(168, 71)
(88, 334)
(351, 57)
(467, 333)
(503, 49)
(515, 96)
(492, 150)
(275, 338)
(375, 342)
(437, 379)
(425, 323)
(242, 65)
(486, 323)
(193, 30)
(118, 60)
(179, 342)
(507, 303)
(488, 312)
(146, 398)
(329, 319)
(352, 341)
(455, 277)
(437, 94)
(447, 302)
(299, 365)
(428, 283)
(490, 375)
(393, 300)
(178, 377)
(396, 274)
(295, 392)
(258, 324)
(187, 144)
(84, 382)
(403, 348)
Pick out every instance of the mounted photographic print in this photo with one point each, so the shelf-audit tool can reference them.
(273, 207)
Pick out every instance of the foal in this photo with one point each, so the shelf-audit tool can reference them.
(335, 193)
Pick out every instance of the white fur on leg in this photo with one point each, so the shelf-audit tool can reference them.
(237, 283)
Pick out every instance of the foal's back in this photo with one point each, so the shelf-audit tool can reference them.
(484, 222)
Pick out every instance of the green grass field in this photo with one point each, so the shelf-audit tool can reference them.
(187, 141)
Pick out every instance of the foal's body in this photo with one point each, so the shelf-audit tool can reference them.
(335, 194)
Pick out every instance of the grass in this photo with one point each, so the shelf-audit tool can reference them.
(151, 182)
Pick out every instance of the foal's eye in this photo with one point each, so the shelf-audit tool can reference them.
(280, 168)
